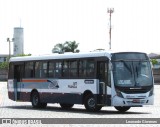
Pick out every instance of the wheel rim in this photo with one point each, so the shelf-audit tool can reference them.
(91, 102)
(35, 100)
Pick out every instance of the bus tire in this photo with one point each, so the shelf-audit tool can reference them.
(122, 109)
(90, 103)
(35, 99)
(66, 106)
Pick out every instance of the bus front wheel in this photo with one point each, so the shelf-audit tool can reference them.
(35, 99)
(90, 103)
(122, 109)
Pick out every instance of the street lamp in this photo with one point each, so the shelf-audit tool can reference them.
(8, 40)
(110, 11)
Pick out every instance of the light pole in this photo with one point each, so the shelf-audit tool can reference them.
(110, 11)
(8, 40)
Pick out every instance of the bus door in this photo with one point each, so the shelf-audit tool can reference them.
(102, 74)
(18, 73)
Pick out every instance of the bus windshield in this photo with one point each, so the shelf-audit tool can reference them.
(132, 73)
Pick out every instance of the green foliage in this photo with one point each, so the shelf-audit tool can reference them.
(71, 46)
(23, 55)
(154, 61)
(68, 46)
(4, 65)
(59, 48)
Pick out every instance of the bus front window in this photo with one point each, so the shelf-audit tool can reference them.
(123, 74)
(132, 73)
(143, 76)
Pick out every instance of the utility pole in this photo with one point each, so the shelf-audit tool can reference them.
(110, 11)
(8, 40)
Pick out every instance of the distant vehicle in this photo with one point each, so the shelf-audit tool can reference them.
(94, 79)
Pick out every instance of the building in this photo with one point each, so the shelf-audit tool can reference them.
(3, 57)
(18, 36)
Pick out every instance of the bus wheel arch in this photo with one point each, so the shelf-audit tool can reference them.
(122, 109)
(33, 91)
(86, 93)
(90, 103)
(35, 100)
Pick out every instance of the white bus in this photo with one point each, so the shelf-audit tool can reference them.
(94, 79)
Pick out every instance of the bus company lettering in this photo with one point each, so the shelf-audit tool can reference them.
(53, 84)
(74, 85)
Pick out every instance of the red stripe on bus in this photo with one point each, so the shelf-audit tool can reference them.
(34, 80)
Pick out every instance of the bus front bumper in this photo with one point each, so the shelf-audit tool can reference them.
(118, 101)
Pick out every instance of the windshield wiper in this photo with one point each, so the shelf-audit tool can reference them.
(128, 68)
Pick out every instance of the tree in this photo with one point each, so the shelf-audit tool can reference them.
(68, 46)
(4, 65)
(71, 46)
(154, 61)
(59, 48)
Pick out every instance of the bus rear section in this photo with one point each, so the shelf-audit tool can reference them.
(133, 81)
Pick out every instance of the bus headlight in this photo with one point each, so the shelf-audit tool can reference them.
(151, 92)
(119, 94)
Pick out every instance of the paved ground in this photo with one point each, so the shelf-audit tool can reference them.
(11, 109)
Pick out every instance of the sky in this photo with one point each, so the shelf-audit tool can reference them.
(135, 24)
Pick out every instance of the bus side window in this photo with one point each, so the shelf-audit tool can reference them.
(73, 68)
(51, 69)
(41, 69)
(82, 68)
(37, 69)
(44, 68)
(58, 69)
(66, 68)
(90, 68)
(86, 68)
(29, 73)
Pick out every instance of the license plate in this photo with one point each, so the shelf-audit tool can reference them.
(136, 101)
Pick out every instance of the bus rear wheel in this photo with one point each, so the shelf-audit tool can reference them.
(66, 106)
(90, 104)
(35, 99)
(122, 109)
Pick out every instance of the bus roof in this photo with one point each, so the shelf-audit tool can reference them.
(62, 56)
